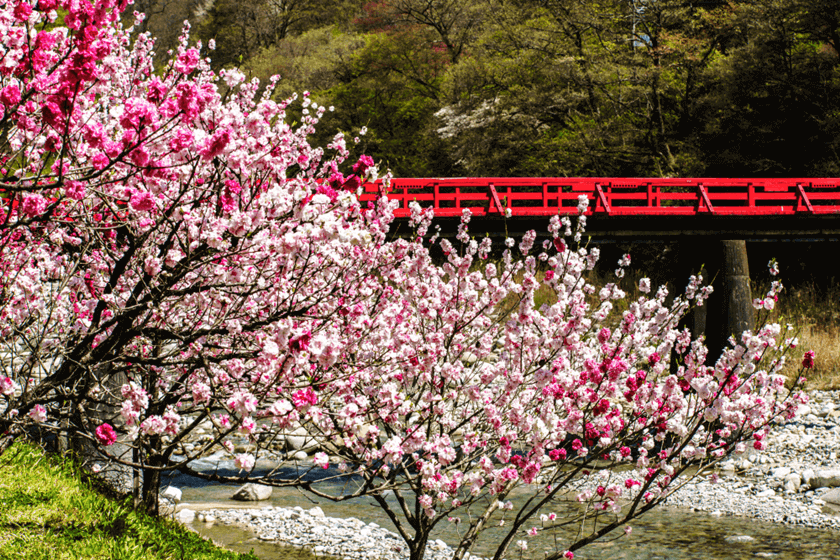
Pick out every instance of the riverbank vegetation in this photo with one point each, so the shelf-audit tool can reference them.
(550, 87)
(50, 509)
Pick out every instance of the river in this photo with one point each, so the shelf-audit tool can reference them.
(663, 534)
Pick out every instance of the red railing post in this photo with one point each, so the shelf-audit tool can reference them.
(803, 198)
(603, 199)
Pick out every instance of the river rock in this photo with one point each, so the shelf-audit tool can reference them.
(780, 472)
(825, 478)
(252, 493)
(316, 512)
(792, 483)
(807, 477)
(300, 440)
(172, 493)
(739, 539)
(832, 497)
(468, 358)
(185, 516)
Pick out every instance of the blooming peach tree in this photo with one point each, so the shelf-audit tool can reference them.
(176, 255)
(159, 237)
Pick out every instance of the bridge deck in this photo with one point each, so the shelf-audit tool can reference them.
(622, 207)
(617, 196)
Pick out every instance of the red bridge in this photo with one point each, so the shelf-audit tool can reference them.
(632, 207)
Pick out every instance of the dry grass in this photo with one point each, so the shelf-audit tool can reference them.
(823, 341)
(814, 312)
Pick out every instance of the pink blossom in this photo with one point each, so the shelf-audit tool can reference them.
(74, 190)
(300, 343)
(187, 61)
(172, 420)
(23, 10)
(244, 461)
(336, 180)
(200, 393)
(227, 202)
(156, 90)
(304, 398)
(10, 95)
(152, 266)
(38, 413)
(243, 402)
(105, 434)
(99, 161)
(7, 386)
(188, 101)
(604, 335)
(808, 359)
(557, 454)
(327, 190)
(142, 201)
(33, 205)
(181, 140)
(216, 143)
(321, 460)
(247, 426)
(130, 414)
(137, 112)
(361, 166)
(153, 425)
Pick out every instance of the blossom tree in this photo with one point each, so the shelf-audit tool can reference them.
(176, 257)
(155, 228)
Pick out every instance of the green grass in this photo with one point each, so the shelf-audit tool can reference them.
(48, 511)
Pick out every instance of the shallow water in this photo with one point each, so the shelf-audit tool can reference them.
(659, 535)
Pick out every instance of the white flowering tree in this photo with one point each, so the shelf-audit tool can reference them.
(176, 257)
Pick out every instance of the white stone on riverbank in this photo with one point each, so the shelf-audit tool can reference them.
(172, 493)
(349, 538)
(251, 492)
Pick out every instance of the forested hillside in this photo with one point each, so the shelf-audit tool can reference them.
(550, 87)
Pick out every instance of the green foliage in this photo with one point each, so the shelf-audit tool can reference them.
(557, 87)
(48, 511)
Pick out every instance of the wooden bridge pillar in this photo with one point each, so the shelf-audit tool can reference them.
(729, 311)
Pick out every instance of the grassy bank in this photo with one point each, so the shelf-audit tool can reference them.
(48, 511)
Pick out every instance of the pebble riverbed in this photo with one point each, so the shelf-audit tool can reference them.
(796, 480)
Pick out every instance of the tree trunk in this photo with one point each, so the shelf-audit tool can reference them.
(151, 479)
(730, 310)
(417, 546)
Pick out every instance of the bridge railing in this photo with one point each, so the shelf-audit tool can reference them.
(487, 196)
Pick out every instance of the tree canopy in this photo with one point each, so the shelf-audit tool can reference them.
(551, 87)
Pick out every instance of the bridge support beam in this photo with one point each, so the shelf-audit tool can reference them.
(729, 311)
